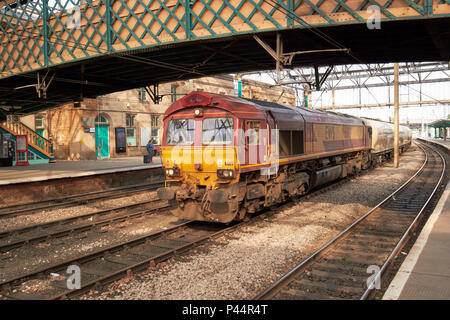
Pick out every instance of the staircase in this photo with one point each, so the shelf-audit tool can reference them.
(37, 144)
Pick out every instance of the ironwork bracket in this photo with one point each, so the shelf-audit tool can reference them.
(319, 81)
(41, 86)
(154, 93)
(290, 55)
(269, 49)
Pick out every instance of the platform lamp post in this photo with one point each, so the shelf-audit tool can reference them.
(396, 115)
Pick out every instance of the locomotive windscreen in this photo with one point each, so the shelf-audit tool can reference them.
(180, 131)
(217, 130)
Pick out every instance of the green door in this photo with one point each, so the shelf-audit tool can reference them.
(102, 140)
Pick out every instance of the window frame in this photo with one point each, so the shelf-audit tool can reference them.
(173, 93)
(257, 130)
(219, 143)
(154, 121)
(130, 124)
(142, 94)
(166, 136)
(98, 119)
(290, 135)
(40, 118)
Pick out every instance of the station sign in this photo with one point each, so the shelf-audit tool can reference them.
(121, 140)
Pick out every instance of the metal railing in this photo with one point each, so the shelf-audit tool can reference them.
(38, 142)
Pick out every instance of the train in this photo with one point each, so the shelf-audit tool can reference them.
(226, 158)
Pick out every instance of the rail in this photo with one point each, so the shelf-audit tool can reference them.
(285, 280)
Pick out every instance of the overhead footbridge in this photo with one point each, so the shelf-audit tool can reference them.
(56, 51)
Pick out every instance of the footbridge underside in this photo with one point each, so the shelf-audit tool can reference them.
(56, 51)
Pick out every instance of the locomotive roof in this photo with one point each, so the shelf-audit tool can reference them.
(310, 115)
(287, 117)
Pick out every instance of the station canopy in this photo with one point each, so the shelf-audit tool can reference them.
(441, 123)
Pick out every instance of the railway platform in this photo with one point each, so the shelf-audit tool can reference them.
(424, 274)
(72, 169)
(41, 182)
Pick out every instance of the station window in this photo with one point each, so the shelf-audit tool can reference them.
(155, 136)
(39, 125)
(142, 94)
(155, 129)
(131, 130)
(39, 122)
(173, 93)
(101, 119)
(155, 121)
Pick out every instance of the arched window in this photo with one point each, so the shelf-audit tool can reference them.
(101, 119)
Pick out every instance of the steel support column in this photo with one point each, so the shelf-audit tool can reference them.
(396, 115)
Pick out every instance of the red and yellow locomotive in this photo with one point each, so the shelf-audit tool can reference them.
(226, 157)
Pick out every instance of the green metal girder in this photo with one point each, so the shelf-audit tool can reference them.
(21, 26)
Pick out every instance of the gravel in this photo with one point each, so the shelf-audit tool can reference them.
(241, 264)
(64, 213)
(32, 257)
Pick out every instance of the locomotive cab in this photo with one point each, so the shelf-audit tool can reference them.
(199, 153)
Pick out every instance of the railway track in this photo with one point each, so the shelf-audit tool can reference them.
(18, 237)
(351, 265)
(112, 263)
(27, 208)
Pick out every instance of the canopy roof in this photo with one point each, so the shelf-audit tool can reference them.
(442, 123)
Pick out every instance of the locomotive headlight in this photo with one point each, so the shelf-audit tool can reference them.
(197, 113)
(227, 174)
(173, 172)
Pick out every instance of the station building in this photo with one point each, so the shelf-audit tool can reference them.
(87, 130)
